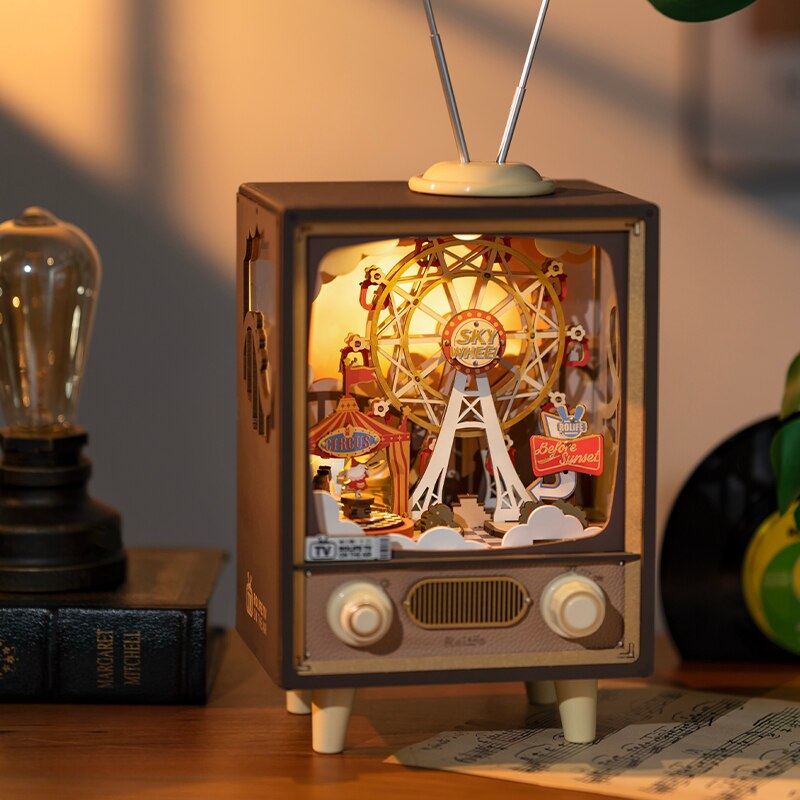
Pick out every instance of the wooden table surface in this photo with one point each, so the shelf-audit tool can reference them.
(244, 744)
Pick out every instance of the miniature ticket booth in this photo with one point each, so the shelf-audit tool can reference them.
(485, 372)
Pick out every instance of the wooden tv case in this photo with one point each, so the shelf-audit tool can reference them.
(283, 232)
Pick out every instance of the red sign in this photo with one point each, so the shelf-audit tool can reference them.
(577, 455)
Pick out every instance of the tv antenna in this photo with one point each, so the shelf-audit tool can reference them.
(498, 178)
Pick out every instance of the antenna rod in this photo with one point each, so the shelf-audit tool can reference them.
(447, 86)
(519, 95)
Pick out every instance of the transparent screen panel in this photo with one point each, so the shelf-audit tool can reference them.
(464, 392)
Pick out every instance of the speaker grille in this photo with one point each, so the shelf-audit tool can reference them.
(436, 603)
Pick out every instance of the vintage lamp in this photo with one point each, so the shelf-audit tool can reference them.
(446, 433)
(53, 537)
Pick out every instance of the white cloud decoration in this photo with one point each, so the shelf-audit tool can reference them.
(547, 523)
(439, 538)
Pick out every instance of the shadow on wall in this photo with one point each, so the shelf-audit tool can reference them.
(629, 92)
(158, 398)
(633, 94)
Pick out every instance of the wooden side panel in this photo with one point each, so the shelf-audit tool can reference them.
(259, 432)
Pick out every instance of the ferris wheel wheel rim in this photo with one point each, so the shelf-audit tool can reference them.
(482, 245)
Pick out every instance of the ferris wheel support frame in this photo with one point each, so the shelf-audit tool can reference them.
(471, 408)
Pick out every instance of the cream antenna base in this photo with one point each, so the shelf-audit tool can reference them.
(481, 179)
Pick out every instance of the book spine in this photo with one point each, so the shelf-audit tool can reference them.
(103, 655)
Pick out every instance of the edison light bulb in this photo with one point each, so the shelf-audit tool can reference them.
(53, 536)
(49, 280)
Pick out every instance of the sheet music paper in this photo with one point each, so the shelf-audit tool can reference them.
(652, 742)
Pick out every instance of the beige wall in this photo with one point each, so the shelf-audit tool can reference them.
(167, 106)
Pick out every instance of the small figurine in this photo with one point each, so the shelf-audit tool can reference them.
(355, 479)
(322, 480)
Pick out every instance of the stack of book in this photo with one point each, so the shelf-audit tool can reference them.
(149, 641)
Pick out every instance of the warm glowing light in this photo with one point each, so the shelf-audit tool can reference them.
(77, 106)
(344, 260)
(74, 331)
(15, 302)
(26, 268)
(337, 311)
(467, 237)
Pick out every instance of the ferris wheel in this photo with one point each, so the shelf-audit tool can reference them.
(467, 337)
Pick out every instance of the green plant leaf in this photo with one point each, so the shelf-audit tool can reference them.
(791, 395)
(786, 442)
(699, 10)
(786, 463)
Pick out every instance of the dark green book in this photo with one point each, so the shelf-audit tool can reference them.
(149, 641)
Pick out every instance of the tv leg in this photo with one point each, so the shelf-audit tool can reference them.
(330, 715)
(577, 704)
(298, 702)
(540, 693)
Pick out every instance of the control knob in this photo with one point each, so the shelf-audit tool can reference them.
(573, 605)
(359, 613)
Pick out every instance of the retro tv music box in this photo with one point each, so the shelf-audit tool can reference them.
(446, 441)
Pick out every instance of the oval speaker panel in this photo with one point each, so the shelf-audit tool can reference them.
(471, 602)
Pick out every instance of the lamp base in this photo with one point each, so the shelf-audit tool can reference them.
(95, 576)
(481, 179)
(53, 536)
